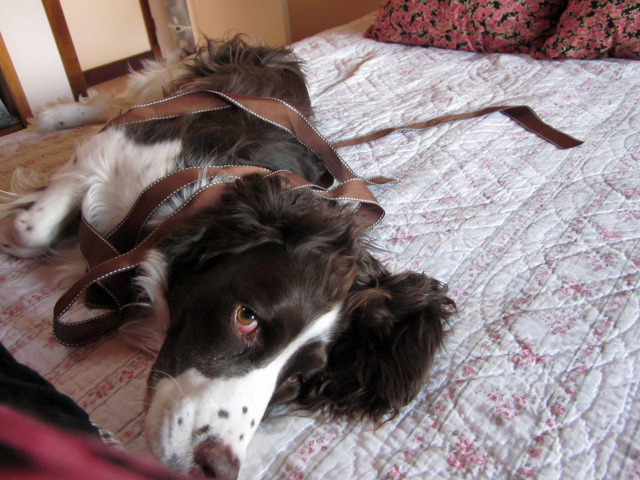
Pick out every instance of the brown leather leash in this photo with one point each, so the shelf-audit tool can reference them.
(113, 257)
(521, 114)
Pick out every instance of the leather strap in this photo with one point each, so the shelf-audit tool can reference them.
(521, 114)
(115, 255)
(113, 292)
(79, 333)
(121, 250)
(279, 114)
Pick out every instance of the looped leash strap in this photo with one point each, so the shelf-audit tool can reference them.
(78, 333)
(112, 256)
(128, 232)
(125, 247)
(114, 292)
(279, 114)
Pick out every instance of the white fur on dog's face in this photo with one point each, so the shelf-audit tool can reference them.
(190, 408)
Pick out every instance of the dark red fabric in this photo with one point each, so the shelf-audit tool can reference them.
(32, 450)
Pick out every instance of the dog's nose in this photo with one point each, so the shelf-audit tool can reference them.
(216, 460)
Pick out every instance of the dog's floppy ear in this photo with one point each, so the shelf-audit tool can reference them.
(394, 326)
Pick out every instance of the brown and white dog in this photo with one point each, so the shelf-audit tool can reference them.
(271, 297)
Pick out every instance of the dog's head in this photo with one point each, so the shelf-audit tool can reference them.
(273, 297)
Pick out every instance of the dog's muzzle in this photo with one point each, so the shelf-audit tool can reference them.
(201, 425)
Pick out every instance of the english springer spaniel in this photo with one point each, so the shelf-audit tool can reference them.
(270, 297)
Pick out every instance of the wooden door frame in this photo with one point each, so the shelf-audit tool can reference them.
(150, 26)
(68, 54)
(9, 80)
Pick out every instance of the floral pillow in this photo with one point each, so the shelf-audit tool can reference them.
(594, 29)
(507, 26)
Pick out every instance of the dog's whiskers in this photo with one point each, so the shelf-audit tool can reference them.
(171, 378)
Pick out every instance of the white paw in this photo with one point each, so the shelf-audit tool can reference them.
(11, 240)
(70, 114)
(33, 227)
(24, 222)
(52, 116)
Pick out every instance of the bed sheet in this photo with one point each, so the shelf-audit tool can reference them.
(540, 371)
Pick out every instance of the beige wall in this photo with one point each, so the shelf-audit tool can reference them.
(308, 17)
(104, 31)
(265, 20)
(275, 22)
(31, 46)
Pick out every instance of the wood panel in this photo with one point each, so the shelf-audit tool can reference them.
(14, 94)
(308, 17)
(65, 47)
(150, 26)
(119, 68)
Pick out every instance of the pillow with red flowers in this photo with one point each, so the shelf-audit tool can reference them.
(507, 26)
(595, 29)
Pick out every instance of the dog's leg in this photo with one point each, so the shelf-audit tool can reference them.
(29, 230)
(95, 108)
(144, 86)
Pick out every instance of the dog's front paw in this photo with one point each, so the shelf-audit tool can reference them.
(24, 224)
(11, 239)
(34, 226)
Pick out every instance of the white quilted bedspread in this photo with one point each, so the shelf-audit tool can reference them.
(539, 377)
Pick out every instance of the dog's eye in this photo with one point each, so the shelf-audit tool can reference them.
(246, 320)
(246, 316)
(295, 379)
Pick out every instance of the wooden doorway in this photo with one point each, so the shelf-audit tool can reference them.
(80, 79)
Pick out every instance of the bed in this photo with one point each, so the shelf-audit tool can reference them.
(540, 373)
